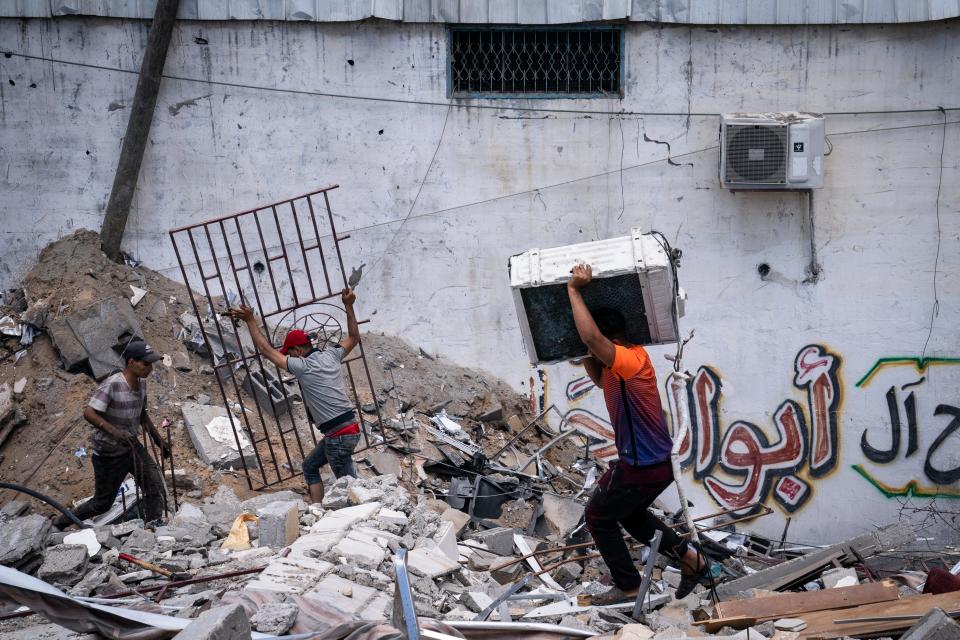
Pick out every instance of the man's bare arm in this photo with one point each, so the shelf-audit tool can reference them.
(353, 329)
(597, 344)
(259, 340)
(96, 418)
(593, 369)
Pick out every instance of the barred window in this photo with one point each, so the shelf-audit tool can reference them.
(535, 62)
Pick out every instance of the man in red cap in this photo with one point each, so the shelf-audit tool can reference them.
(321, 381)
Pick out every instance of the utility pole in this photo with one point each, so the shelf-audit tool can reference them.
(138, 127)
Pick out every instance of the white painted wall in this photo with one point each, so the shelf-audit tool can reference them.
(504, 181)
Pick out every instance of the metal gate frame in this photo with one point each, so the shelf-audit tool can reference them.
(231, 263)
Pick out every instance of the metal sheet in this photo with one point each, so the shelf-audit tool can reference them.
(732, 12)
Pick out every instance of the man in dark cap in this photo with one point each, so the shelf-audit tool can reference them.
(117, 410)
(321, 381)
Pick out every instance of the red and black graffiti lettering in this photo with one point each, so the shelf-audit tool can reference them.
(745, 452)
(816, 371)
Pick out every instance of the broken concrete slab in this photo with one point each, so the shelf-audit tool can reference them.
(430, 563)
(935, 625)
(95, 335)
(385, 462)
(22, 539)
(459, 519)
(834, 577)
(361, 550)
(391, 517)
(279, 524)
(14, 509)
(259, 501)
(476, 601)
(344, 595)
(221, 623)
(212, 435)
(498, 540)
(64, 564)
(275, 618)
(563, 514)
(446, 540)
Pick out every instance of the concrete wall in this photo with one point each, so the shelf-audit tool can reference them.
(790, 374)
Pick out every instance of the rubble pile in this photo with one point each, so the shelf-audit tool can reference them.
(462, 490)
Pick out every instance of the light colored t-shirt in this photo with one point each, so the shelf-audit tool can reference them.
(122, 407)
(321, 381)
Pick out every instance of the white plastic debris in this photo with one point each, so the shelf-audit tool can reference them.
(137, 296)
(10, 327)
(446, 424)
(86, 537)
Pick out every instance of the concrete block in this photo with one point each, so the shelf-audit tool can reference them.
(221, 623)
(259, 501)
(275, 617)
(391, 517)
(476, 601)
(94, 335)
(499, 540)
(360, 550)
(212, 436)
(459, 519)
(361, 495)
(23, 538)
(790, 624)
(430, 563)
(343, 519)
(833, 577)
(344, 595)
(267, 391)
(563, 514)
(64, 564)
(385, 462)
(935, 625)
(188, 511)
(446, 540)
(279, 524)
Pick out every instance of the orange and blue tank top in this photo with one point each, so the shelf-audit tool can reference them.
(641, 432)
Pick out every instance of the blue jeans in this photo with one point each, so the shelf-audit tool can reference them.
(337, 452)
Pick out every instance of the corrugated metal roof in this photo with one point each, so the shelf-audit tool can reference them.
(731, 12)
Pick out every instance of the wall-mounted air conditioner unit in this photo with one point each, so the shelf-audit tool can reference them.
(771, 151)
(632, 274)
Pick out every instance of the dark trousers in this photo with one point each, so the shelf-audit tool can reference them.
(622, 497)
(337, 452)
(109, 473)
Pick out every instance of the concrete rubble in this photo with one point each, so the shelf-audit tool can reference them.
(463, 487)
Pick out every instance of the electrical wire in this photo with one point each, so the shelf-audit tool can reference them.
(434, 103)
(935, 309)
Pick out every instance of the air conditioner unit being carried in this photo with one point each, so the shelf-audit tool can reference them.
(772, 151)
(632, 274)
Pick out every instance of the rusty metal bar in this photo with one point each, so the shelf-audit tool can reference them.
(323, 259)
(212, 352)
(272, 427)
(248, 211)
(303, 249)
(232, 371)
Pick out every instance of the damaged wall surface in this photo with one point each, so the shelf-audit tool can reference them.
(825, 381)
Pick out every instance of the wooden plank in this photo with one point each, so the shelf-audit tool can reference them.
(786, 605)
(822, 625)
(737, 622)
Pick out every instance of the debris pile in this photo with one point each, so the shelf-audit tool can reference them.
(469, 509)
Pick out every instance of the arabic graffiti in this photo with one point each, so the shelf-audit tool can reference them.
(904, 402)
(744, 466)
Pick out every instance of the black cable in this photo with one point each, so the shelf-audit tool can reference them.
(935, 309)
(50, 501)
(687, 114)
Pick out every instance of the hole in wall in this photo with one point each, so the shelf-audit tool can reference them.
(763, 269)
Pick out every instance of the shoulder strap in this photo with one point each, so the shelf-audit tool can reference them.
(626, 407)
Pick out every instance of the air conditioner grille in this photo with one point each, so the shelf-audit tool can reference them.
(756, 153)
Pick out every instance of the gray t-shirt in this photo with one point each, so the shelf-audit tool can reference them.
(122, 407)
(321, 381)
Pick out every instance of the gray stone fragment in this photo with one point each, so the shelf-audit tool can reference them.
(125, 528)
(257, 502)
(476, 601)
(222, 623)
(279, 524)
(563, 514)
(935, 625)
(499, 540)
(23, 538)
(220, 453)
(275, 617)
(64, 564)
(93, 579)
(14, 509)
(140, 539)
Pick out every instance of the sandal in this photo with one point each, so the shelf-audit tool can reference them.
(705, 576)
(613, 595)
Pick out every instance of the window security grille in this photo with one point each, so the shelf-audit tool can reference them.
(538, 62)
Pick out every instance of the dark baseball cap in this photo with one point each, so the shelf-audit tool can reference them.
(140, 350)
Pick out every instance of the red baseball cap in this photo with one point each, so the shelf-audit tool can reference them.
(295, 338)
